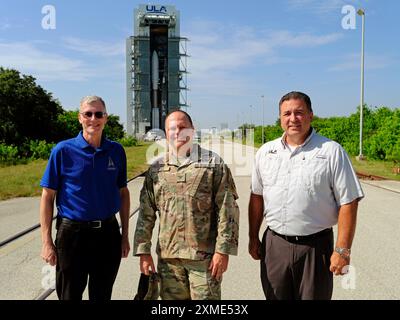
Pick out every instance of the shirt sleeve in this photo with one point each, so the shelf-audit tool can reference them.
(146, 219)
(52, 174)
(227, 210)
(256, 181)
(346, 186)
(122, 174)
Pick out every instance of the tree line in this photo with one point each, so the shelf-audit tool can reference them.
(381, 132)
(33, 121)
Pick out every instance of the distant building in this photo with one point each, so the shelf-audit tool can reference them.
(156, 68)
(224, 126)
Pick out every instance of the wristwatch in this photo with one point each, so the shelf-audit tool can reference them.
(344, 252)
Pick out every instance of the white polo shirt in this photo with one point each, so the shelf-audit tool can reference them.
(304, 189)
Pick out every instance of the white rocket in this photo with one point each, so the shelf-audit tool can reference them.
(155, 71)
(154, 80)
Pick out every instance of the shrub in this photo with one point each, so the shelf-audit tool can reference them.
(8, 154)
(128, 141)
(40, 149)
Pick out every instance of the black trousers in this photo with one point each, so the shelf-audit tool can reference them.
(86, 253)
(296, 270)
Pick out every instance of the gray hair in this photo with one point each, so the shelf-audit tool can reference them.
(91, 99)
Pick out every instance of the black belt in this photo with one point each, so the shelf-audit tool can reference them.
(95, 224)
(302, 238)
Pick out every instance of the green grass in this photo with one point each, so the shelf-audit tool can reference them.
(375, 167)
(23, 180)
(136, 159)
(257, 144)
(243, 141)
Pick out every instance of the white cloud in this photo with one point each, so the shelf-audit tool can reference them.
(96, 48)
(229, 49)
(290, 39)
(320, 6)
(224, 51)
(35, 58)
(227, 62)
(352, 62)
(38, 62)
(5, 26)
(217, 83)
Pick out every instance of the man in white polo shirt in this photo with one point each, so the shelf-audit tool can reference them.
(302, 184)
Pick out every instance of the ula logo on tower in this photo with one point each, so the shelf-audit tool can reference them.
(151, 8)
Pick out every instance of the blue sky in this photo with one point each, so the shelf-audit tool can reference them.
(239, 51)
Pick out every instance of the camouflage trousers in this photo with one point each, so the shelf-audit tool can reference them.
(183, 279)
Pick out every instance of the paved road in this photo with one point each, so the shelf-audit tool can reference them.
(375, 258)
(22, 269)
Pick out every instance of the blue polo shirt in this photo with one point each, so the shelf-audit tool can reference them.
(87, 180)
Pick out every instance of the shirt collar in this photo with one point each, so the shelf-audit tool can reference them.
(83, 144)
(193, 156)
(284, 143)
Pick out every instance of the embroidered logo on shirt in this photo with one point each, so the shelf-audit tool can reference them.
(111, 165)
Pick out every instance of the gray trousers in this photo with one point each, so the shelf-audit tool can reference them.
(296, 270)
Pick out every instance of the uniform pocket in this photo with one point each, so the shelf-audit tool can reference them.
(200, 190)
(215, 288)
(270, 169)
(313, 173)
(169, 221)
(201, 182)
(204, 286)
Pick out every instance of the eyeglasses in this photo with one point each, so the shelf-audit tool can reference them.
(97, 114)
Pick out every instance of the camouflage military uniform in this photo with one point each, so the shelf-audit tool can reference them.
(198, 216)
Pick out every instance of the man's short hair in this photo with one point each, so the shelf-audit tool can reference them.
(297, 95)
(91, 99)
(185, 113)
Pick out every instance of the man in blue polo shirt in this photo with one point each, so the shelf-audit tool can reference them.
(87, 177)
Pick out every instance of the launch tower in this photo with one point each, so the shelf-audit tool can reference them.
(156, 63)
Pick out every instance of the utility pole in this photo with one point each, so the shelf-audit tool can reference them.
(362, 14)
(262, 128)
(251, 118)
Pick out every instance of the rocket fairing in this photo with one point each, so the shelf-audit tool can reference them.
(154, 80)
(155, 70)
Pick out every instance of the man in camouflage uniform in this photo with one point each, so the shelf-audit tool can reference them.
(195, 195)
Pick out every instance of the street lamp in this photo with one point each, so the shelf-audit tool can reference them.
(251, 118)
(262, 128)
(361, 13)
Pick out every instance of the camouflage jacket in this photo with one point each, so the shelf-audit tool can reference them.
(196, 202)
